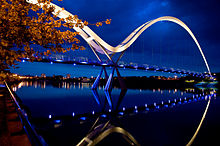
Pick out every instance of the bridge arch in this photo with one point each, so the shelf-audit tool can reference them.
(102, 47)
(136, 33)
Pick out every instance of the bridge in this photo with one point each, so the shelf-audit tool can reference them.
(99, 46)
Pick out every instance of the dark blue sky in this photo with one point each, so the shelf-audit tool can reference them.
(165, 43)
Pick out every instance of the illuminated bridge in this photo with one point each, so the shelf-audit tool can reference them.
(109, 108)
(99, 46)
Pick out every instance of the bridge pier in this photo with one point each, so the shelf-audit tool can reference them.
(108, 86)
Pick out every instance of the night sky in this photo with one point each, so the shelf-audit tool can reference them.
(163, 44)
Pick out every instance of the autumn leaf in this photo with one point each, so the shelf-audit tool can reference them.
(85, 22)
(24, 25)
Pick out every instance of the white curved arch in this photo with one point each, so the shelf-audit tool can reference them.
(95, 41)
(136, 33)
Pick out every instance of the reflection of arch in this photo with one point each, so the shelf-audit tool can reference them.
(99, 45)
(104, 130)
(120, 130)
(200, 124)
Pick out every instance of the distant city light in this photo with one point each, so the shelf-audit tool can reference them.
(59, 60)
(84, 62)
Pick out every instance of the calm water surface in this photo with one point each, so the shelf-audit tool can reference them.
(44, 98)
(174, 125)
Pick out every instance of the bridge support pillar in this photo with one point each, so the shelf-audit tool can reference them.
(108, 86)
(97, 80)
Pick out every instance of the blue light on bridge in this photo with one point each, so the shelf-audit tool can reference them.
(104, 64)
(83, 118)
(57, 121)
(121, 113)
(154, 106)
(103, 116)
(121, 65)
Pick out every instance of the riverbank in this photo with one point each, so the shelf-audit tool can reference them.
(152, 83)
(12, 132)
(167, 83)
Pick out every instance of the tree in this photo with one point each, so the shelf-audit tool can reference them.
(24, 26)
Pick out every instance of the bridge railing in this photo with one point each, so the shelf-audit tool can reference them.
(34, 138)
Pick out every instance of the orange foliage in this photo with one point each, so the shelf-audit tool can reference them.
(20, 28)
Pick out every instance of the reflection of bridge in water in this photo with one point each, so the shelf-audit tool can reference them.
(100, 46)
(109, 110)
(198, 94)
